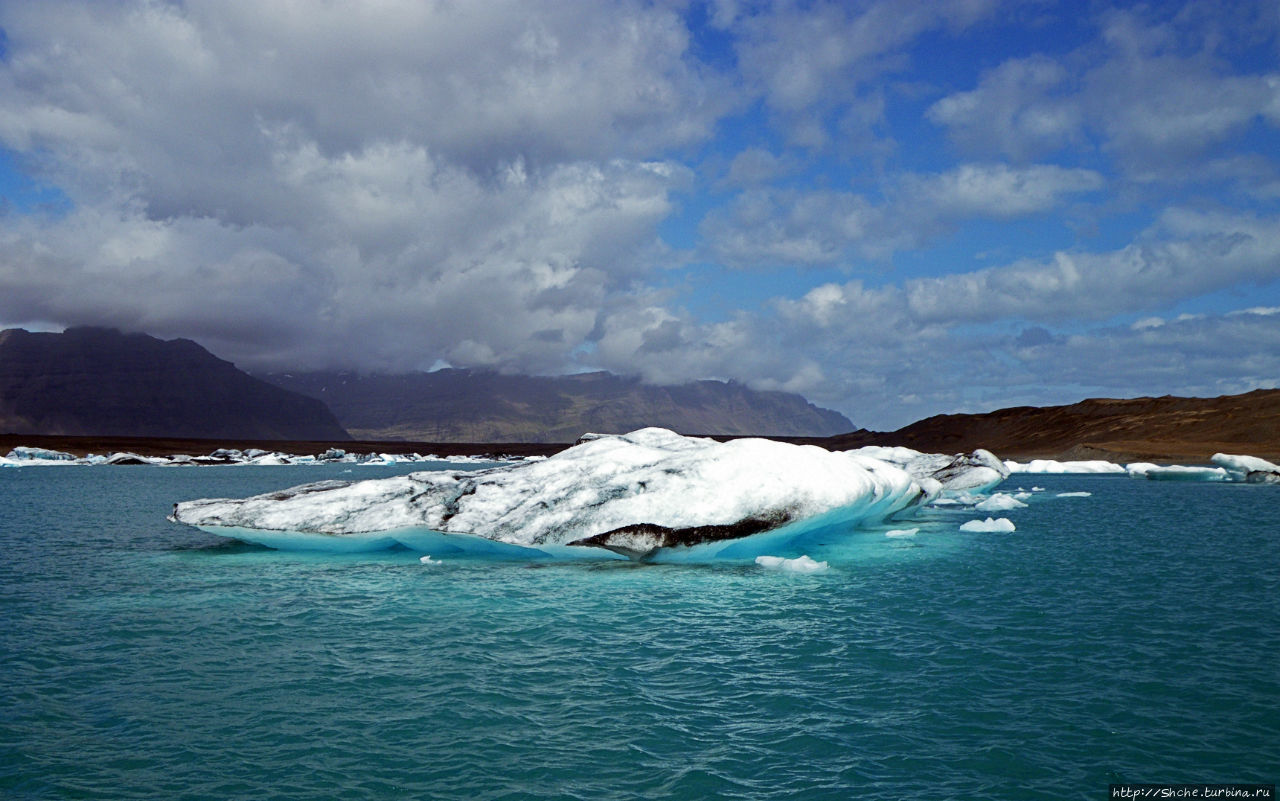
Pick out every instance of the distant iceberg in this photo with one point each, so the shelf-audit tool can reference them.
(1177, 472)
(22, 456)
(1249, 469)
(1099, 466)
(645, 494)
(975, 472)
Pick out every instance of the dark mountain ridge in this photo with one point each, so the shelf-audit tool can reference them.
(471, 406)
(101, 382)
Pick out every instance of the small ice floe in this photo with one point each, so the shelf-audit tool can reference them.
(427, 560)
(1001, 525)
(1074, 494)
(1000, 502)
(902, 532)
(801, 564)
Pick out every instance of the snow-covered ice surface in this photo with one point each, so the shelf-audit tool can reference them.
(646, 494)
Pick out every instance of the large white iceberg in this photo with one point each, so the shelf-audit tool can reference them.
(634, 494)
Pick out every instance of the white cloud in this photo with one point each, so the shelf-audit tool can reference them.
(374, 184)
(1154, 91)
(809, 61)
(996, 191)
(793, 228)
(1021, 109)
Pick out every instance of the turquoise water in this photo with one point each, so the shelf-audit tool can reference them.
(1127, 636)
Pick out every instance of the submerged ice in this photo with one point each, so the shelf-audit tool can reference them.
(636, 494)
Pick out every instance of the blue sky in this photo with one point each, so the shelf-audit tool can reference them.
(896, 209)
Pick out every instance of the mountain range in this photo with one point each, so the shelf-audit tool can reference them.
(101, 382)
(470, 406)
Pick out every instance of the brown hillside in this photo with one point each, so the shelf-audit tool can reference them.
(1158, 429)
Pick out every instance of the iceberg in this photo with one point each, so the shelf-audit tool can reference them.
(1000, 502)
(1001, 525)
(641, 495)
(974, 472)
(1250, 469)
(801, 564)
(1092, 466)
(1227, 467)
(1178, 472)
(24, 453)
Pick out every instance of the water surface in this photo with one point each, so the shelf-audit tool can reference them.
(1126, 636)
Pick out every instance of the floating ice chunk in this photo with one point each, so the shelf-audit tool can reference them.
(1181, 473)
(1000, 502)
(976, 472)
(632, 494)
(801, 564)
(1140, 469)
(268, 459)
(127, 458)
(902, 532)
(427, 560)
(1002, 525)
(1075, 494)
(1248, 468)
(1054, 466)
(23, 453)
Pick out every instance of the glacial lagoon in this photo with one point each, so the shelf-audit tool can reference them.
(1123, 635)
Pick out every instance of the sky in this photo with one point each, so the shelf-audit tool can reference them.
(896, 208)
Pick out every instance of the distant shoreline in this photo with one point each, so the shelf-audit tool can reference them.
(1171, 451)
(168, 446)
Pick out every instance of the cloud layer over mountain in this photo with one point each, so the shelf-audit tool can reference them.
(894, 208)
